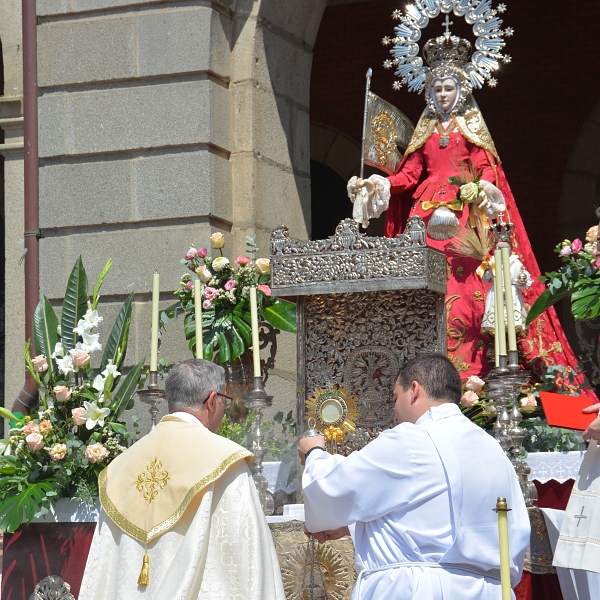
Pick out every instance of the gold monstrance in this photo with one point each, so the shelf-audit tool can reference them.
(335, 411)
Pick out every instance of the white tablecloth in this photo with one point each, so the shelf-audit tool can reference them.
(277, 474)
(560, 466)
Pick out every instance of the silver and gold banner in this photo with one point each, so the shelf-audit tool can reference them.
(387, 135)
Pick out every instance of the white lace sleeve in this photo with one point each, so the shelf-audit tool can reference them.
(370, 199)
(496, 203)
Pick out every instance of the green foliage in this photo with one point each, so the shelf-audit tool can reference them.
(544, 438)
(22, 504)
(116, 345)
(75, 305)
(45, 331)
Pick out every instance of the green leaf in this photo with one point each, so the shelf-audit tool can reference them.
(96, 290)
(544, 302)
(117, 340)
(224, 348)
(126, 390)
(74, 305)
(45, 331)
(238, 347)
(244, 329)
(281, 315)
(6, 414)
(21, 506)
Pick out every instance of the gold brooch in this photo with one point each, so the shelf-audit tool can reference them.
(151, 481)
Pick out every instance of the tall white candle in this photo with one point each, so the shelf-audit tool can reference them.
(198, 315)
(508, 298)
(155, 311)
(255, 341)
(499, 303)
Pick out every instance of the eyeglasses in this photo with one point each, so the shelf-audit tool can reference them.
(227, 399)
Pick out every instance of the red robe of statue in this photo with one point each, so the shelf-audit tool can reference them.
(423, 177)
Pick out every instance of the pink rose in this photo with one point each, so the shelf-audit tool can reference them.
(58, 452)
(207, 305)
(96, 452)
(529, 400)
(474, 383)
(45, 426)
(35, 441)
(229, 285)
(263, 266)
(80, 357)
(202, 252)
(596, 263)
(242, 260)
(265, 289)
(62, 393)
(31, 427)
(76, 414)
(191, 253)
(210, 293)
(189, 285)
(469, 398)
(204, 275)
(40, 364)
(576, 246)
(565, 251)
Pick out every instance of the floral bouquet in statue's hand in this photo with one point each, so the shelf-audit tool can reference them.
(59, 451)
(579, 278)
(225, 300)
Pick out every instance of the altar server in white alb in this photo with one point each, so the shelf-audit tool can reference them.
(418, 501)
(180, 514)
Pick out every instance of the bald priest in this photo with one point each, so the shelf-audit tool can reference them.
(180, 515)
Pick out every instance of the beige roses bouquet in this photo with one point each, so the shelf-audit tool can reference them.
(225, 289)
(77, 430)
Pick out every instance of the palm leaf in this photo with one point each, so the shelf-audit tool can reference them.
(117, 340)
(96, 289)
(22, 506)
(544, 302)
(74, 305)
(124, 394)
(45, 331)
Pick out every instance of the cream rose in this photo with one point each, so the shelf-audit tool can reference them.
(204, 275)
(469, 398)
(529, 401)
(468, 192)
(45, 426)
(96, 453)
(58, 452)
(31, 427)
(263, 266)
(62, 393)
(474, 383)
(76, 414)
(80, 357)
(217, 240)
(40, 364)
(592, 234)
(35, 441)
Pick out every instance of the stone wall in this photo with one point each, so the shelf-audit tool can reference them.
(160, 122)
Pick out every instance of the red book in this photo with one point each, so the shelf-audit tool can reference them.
(565, 411)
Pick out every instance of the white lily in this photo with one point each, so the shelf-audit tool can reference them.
(90, 342)
(65, 365)
(94, 415)
(98, 383)
(111, 369)
(59, 350)
(89, 321)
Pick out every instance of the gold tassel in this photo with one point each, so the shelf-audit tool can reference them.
(144, 577)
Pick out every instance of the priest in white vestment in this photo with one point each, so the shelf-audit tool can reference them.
(419, 500)
(181, 518)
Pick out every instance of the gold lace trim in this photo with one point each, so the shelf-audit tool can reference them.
(146, 537)
(421, 134)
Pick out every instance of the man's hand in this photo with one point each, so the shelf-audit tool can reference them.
(329, 535)
(593, 430)
(306, 443)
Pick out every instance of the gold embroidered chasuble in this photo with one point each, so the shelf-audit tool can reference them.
(146, 490)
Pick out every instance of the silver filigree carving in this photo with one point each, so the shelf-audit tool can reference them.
(349, 261)
(52, 587)
(361, 340)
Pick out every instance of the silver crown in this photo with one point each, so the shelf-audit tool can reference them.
(447, 49)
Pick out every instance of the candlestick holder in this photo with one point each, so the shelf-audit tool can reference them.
(513, 362)
(257, 399)
(502, 369)
(153, 395)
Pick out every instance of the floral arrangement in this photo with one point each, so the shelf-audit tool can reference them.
(542, 437)
(225, 289)
(77, 431)
(579, 278)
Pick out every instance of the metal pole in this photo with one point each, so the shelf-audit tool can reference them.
(364, 133)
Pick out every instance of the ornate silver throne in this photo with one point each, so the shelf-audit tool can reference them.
(365, 305)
